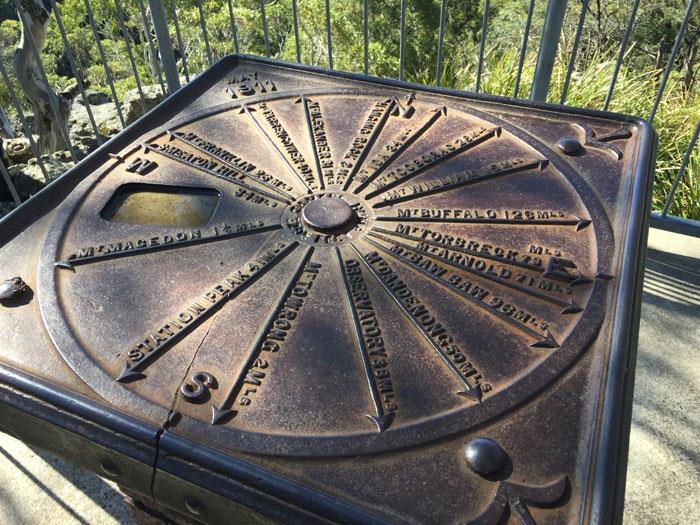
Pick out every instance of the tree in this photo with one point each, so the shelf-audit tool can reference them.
(29, 76)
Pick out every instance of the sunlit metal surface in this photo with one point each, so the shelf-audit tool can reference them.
(345, 283)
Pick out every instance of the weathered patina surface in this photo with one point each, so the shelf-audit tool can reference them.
(358, 300)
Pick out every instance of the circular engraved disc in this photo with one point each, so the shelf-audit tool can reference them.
(338, 273)
(329, 214)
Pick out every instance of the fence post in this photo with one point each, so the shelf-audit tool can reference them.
(165, 47)
(553, 21)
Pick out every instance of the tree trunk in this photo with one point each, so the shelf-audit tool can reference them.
(149, 55)
(30, 79)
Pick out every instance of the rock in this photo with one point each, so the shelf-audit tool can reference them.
(82, 134)
(30, 179)
(15, 169)
(95, 98)
(18, 151)
(131, 105)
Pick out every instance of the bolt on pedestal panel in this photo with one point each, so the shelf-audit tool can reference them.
(378, 291)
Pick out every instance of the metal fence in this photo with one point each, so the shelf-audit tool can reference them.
(162, 28)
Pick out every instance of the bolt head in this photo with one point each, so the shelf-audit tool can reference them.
(485, 456)
(570, 146)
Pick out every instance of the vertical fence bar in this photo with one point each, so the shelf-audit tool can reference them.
(441, 35)
(621, 55)
(234, 28)
(365, 12)
(672, 58)
(553, 22)
(122, 28)
(149, 41)
(23, 120)
(297, 44)
(574, 51)
(523, 48)
(76, 72)
(165, 47)
(681, 170)
(205, 33)
(173, 13)
(328, 34)
(42, 72)
(10, 184)
(402, 39)
(482, 44)
(266, 36)
(105, 66)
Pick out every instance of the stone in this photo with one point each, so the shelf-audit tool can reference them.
(81, 132)
(95, 98)
(131, 105)
(29, 179)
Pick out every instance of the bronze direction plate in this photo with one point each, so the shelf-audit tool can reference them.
(325, 275)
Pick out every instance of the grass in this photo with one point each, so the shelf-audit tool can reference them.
(634, 94)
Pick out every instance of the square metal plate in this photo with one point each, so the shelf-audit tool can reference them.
(330, 297)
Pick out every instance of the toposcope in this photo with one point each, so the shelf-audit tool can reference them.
(297, 295)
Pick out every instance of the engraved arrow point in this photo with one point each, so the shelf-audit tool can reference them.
(547, 342)
(382, 421)
(581, 279)
(474, 393)
(442, 111)
(218, 415)
(129, 374)
(582, 223)
(65, 265)
(572, 308)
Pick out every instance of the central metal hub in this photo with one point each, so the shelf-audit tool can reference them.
(328, 214)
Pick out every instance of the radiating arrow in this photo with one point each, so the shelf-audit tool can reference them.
(436, 114)
(575, 221)
(181, 136)
(494, 132)
(569, 306)
(467, 251)
(134, 370)
(249, 111)
(305, 102)
(471, 391)
(381, 419)
(70, 263)
(404, 111)
(154, 148)
(370, 142)
(543, 341)
(224, 411)
(470, 177)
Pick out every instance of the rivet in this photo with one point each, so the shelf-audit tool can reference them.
(194, 506)
(570, 146)
(485, 456)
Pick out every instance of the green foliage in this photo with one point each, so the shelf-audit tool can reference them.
(650, 44)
